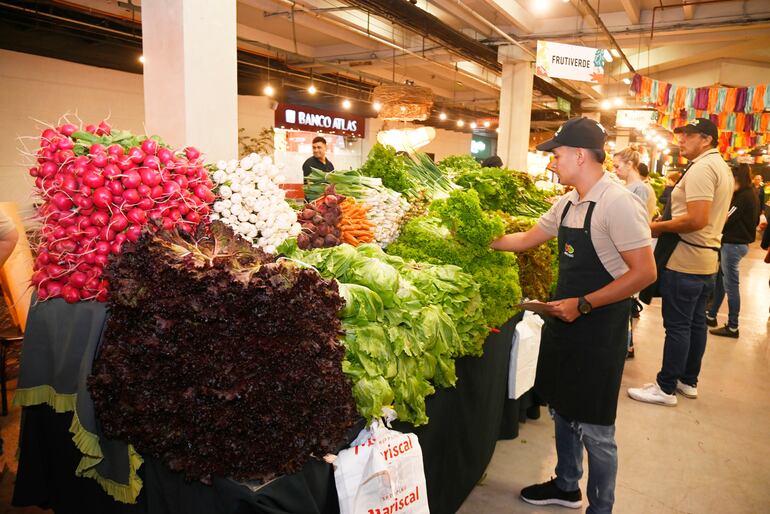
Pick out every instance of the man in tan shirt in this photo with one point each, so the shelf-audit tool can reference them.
(698, 211)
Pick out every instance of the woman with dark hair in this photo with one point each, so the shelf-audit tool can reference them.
(492, 162)
(740, 230)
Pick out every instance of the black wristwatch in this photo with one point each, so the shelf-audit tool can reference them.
(584, 306)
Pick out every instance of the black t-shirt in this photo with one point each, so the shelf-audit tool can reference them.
(314, 162)
(741, 225)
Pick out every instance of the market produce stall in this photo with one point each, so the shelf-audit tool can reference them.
(248, 339)
(466, 421)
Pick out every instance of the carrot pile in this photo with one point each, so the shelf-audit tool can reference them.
(354, 224)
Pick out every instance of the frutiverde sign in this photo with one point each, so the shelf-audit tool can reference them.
(557, 60)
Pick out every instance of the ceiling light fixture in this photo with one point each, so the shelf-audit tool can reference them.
(606, 104)
(377, 106)
(312, 89)
(473, 125)
(269, 91)
(617, 101)
(346, 103)
(442, 116)
(627, 81)
(141, 59)
(460, 123)
(486, 124)
(540, 6)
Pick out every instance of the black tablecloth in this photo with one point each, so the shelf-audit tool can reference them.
(457, 444)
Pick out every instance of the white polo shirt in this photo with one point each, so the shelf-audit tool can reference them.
(619, 222)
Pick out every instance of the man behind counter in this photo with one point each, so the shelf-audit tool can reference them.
(318, 160)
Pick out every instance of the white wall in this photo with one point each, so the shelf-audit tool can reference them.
(39, 88)
(449, 142)
(255, 114)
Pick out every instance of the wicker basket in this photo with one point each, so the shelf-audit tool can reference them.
(403, 102)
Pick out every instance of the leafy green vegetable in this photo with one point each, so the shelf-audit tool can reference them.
(463, 215)
(460, 234)
(379, 276)
(456, 165)
(505, 190)
(408, 175)
(404, 323)
(383, 163)
(360, 303)
(538, 267)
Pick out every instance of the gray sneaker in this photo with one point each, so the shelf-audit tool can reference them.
(725, 331)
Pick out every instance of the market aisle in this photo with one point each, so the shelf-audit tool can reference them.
(703, 456)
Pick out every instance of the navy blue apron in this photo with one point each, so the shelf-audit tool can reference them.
(581, 363)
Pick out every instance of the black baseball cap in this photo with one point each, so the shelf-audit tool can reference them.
(577, 133)
(700, 126)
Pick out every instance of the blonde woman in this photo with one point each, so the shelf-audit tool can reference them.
(626, 164)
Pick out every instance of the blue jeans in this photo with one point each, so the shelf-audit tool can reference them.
(599, 441)
(684, 317)
(729, 283)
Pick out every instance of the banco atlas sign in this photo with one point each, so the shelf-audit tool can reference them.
(309, 119)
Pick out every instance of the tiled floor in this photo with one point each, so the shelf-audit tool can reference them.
(708, 455)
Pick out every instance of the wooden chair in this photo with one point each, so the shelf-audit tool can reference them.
(16, 292)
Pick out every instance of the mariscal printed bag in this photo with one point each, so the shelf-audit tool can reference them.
(381, 473)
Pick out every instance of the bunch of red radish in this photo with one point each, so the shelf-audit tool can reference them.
(100, 189)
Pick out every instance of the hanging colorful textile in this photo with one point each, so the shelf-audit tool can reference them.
(759, 98)
(670, 98)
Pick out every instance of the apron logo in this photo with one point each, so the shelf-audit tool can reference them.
(569, 251)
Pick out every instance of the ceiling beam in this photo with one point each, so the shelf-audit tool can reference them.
(632, 9)
(387, 75)
(458, 13)
(667, 60)
(689, 11)
(248, 34)
(514, 13)
(316, 24)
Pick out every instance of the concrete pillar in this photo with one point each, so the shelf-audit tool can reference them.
(515, 106)
(622, 138)
(191, 74)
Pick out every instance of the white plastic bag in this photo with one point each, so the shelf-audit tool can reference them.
(381, 473)
(524, 351)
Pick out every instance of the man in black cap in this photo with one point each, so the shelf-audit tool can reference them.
(691, 230)
(604, 258)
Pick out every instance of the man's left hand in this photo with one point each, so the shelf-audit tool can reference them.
(655, 229)
(565, 310)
